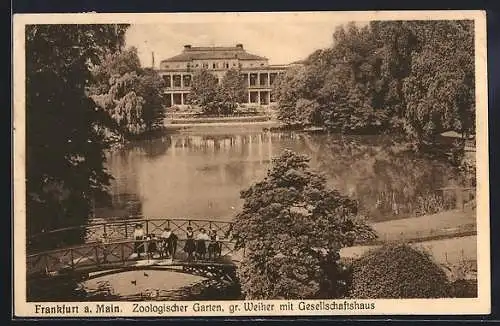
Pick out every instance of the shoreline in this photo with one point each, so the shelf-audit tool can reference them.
(175, 126)
(214, 128)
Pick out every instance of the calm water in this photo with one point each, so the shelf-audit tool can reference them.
(200, 176)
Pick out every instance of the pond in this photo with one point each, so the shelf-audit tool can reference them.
(200, 175)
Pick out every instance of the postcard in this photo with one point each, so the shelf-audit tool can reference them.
(250, 164)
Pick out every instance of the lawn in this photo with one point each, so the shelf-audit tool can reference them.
(442, 225)
(448, 236)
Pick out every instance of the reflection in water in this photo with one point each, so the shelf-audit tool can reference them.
(201, 176)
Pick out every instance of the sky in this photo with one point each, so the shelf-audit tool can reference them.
(282, 42)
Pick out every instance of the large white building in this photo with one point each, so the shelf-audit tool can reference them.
(259, 76)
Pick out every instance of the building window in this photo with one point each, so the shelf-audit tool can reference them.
(244, 77)
(272, 78)
(264, 98)
(177, 99)
(167, 100)
(177, 80)
(234, 64)
(263, 79)
(253, 79)
(205, 65)
(168, 82)
(213, 65)
(186, 80)
(254, 97)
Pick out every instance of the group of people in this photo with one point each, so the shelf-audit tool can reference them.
(196, 247)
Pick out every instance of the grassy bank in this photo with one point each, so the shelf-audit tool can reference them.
(442, 225)
(450, 237)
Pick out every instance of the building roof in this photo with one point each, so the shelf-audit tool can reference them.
(217, 52)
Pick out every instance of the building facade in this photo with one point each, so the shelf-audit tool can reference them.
(178, 72)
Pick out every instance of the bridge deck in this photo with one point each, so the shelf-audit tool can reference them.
(94, 257)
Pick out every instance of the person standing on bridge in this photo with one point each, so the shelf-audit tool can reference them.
(201, 247)
(190, 245)
(138, 235)
(214, 247)
(169, 240)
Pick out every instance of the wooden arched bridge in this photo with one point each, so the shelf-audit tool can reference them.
(109, 247)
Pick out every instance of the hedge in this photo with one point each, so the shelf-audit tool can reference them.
(397, 271)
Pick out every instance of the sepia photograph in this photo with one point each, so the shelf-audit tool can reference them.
(231, 164)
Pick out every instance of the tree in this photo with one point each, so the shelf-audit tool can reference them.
(231, 91)
(130, 94)
(150, 87)
(204, 92)
(439, 92)
(65, 150)
(415, 77)
(288, 90)
(293, 227)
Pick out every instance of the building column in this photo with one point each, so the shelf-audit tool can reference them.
(268, 79)
(258, 96)
(182, 81)
(249, 97)
(268, 97)
(258, 83)
(182, 95)
(172, 99)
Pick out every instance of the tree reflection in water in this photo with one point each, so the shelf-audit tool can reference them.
(176, 175)
(388, 181)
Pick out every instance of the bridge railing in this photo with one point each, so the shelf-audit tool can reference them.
(120, 230)
(101, 256)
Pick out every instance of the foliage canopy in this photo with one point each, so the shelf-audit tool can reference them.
(216, 98)
(397, 272)
(411, 76)
(65, 148)
(293, 227)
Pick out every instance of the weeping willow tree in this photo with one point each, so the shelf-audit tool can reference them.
(128, 93)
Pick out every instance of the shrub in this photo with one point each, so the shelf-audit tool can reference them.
(397, 271)
(463, 289)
